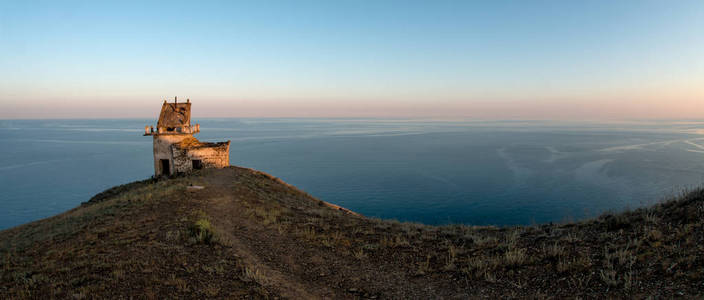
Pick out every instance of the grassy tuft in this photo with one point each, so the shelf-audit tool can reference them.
(202, 231)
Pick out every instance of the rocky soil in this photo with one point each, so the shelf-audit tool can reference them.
(247, 234)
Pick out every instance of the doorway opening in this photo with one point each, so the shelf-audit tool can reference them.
(197, 164)
(165, 170)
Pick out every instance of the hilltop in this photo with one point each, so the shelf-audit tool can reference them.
(247, 234)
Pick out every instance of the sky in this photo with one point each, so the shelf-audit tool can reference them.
(399, 59)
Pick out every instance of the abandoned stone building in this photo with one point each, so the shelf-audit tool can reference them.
(175, 148)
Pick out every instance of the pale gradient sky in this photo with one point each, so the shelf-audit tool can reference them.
(488, 59)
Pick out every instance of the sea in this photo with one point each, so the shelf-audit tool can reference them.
(475, 172)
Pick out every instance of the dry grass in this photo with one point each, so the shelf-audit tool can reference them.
(359, 254)
(251, 235)
(253, 274)
(202, 232)
(554, 250)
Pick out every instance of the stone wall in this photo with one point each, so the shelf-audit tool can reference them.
(213, 155)
(162, 150)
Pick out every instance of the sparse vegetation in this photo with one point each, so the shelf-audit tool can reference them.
(359, 254)
(248, 234)
(253, 274)
(202, 232)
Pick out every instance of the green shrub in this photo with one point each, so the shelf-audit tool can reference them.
(202, 231)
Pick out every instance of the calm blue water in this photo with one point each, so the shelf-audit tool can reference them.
(501, 172)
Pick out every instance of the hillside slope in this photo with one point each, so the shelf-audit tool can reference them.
(248, 234)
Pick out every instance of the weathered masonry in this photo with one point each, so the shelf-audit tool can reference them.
(175, 148)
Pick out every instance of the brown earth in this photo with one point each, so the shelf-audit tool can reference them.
(247, 234)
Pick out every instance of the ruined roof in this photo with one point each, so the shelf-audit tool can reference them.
(175, 115)
(193, 143)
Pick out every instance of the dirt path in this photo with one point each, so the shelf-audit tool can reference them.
(222, 201)
(297, 267)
